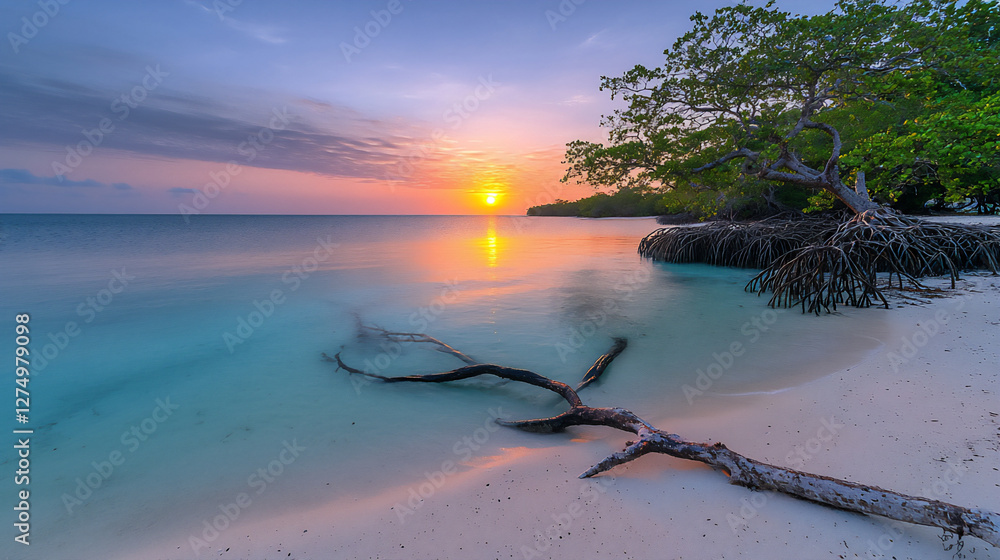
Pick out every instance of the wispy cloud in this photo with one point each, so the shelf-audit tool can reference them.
(338, 142)
(577, 99)
(265, 33)
(598, 39)
(25, 177)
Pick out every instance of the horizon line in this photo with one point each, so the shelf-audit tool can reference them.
(239, 214)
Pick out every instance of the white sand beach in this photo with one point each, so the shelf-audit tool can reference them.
(919, 416)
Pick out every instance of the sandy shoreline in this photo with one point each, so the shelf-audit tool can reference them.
(918, 416)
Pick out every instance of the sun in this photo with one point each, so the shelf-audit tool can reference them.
(491, 199)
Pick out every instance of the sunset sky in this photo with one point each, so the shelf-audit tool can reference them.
(310, 107)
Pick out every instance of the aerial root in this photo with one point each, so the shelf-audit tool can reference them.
(819, 262)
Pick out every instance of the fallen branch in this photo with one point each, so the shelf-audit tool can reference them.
(741, 470)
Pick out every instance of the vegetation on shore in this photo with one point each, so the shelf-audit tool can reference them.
(627, 201)
(871, 105)
(645, 201)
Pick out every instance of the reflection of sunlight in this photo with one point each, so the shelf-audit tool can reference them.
(492, 243)
(507, 455)
(492, 246)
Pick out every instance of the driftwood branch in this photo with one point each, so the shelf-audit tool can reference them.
(741, 470)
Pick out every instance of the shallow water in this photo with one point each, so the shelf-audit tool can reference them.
(192, 373)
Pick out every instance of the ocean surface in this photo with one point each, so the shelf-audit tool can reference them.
(178, 366)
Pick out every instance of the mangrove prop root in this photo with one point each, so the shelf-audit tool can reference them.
(741, 470)
(820, 262)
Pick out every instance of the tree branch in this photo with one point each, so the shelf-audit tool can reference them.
(602, 363)
(796, 178)
(741, 153)
(742, 471)
(415, 337)
(834, 158)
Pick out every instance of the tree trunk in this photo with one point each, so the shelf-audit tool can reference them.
(856, 199)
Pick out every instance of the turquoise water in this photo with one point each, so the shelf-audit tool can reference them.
(178, 366)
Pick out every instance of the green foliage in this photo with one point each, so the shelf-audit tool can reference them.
(945, 146)
(820, 202)
(950, 152)
(752, 97)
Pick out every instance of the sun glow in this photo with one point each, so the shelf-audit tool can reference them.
(491, 199)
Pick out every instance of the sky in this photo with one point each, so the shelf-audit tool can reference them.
(311, 107)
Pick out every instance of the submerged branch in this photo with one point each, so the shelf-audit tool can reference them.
(414, 337)
(595, 371)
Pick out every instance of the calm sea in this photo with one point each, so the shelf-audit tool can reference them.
(177, 366)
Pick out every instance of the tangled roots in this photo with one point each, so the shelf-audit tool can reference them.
(820, 262)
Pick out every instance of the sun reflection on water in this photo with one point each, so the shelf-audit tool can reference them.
(492, 243)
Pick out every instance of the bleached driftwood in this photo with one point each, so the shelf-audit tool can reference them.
(741, 470)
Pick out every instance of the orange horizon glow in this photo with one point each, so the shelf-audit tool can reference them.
(496, 181)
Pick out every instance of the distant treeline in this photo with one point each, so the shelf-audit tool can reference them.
(639, 201)
(624, 202)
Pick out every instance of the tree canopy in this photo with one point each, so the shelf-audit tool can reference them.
(754, 99)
